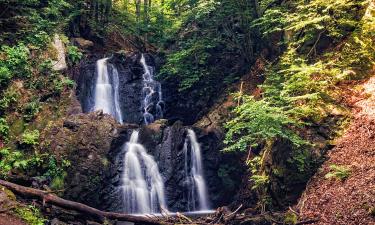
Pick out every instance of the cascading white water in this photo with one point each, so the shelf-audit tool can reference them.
(143, 186)
(194, 177)
(152, 96)
(106, 89)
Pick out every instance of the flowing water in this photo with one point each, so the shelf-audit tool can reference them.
(152, 96)
(142, 185)
(106, 89)
(197, 196)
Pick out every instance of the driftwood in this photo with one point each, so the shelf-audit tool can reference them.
(47, 197)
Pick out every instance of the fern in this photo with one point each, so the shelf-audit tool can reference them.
(338, 172)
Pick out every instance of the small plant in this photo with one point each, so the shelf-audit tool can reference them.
(338, 172)
(4, 128)
(290, 218)
(31, 215)
(9, 160)
(16, 60)
(10, 96)
(31, 109)
(260, 181)
(56, 172)
(5, 75)
(60, 83)
(30, 138)
(74, 54)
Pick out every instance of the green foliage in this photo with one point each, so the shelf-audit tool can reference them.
(61, 82)
(15, 60)
(11, 160)
(31, 109)
(9, 97)
(338, 172)
(74, 54)
(291, 218)
(5, 75)
(56, 172)
(30, 138)
(260, 181)
(30, 214)
(256, 122)
(4, 128)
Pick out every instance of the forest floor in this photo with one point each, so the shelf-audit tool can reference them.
(350, 201)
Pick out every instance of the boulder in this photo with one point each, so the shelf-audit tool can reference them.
(83, 43)
(60, 63)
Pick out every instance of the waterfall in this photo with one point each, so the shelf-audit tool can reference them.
(194, 178)
(106, 89)
(142, 185)
(152, 96)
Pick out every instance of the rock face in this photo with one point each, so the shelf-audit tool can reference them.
(84, 140)
(60, 63)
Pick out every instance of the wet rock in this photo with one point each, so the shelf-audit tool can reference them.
(84, 140)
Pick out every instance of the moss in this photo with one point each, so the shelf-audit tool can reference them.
(290, 218)
(30, 215)
(9, 193)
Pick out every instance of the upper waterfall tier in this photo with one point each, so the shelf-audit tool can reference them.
(152, 96)
(107, 89)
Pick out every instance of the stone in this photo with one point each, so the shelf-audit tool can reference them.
(60, 63)
(83, 43)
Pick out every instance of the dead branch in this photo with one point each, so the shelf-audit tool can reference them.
(82, 208)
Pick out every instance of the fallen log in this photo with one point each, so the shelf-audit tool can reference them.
(47, 197)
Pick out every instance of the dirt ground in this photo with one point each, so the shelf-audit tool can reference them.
(351, 201)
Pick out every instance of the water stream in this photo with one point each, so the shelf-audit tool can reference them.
(152, 96)
(142, 185)
(197, 196)
(106, 96)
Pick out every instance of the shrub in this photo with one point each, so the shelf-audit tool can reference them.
(10, 159)
(31, 109)
(62, 82)
(56, 172)
(5, 75)
(9, 97)
(30, 138)
(16, 60)
(338, 172)
(74, 54)
(256, 122)
(260, 181)
(4, 128)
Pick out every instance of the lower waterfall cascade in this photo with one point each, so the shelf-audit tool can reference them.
(142, 184)
(194, 177)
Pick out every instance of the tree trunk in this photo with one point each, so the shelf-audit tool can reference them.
(138, 9)
(47, 197)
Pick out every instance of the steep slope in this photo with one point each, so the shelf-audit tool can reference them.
(351, 200)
